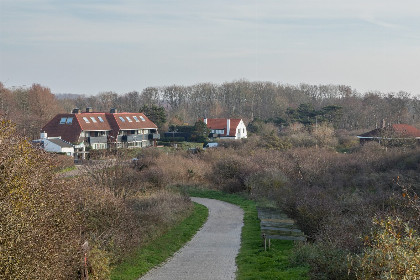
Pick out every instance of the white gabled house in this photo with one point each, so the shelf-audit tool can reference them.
(226, 128)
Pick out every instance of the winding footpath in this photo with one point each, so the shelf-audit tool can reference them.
(211, 252)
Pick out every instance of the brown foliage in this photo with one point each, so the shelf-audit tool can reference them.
(39, 233)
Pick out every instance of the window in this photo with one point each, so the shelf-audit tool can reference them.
(122, 119)
(93, 119)
(141, 117)
(137, 120)
(69, 120)
(63, 120)
(128, 118)
(86, 120)
(100, 119)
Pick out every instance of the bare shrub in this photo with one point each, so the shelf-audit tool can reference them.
(326, 261)
(62, 161)
(266, 182)
(324, 135)
(230, 173)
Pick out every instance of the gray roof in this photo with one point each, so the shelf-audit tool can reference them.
(60, 142)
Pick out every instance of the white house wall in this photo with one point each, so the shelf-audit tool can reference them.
(241, 127)
(54, 148)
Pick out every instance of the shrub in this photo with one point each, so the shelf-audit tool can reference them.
(39, 233)
(393, 252)
(324, 259)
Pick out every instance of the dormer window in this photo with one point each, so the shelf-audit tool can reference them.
(128, 118)
(122, 119)
(136, 119)
(93, 119)
(100, 119)
(86, 120)
(63, 120)
(141, 117)
(69, 120)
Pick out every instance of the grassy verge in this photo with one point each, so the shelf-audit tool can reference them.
(252, 261)
(161, 248)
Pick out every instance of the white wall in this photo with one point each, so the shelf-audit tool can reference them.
(242, 131)
(51, 147)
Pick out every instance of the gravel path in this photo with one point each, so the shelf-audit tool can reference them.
(211, 252)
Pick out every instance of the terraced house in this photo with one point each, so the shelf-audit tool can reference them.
(100, 130)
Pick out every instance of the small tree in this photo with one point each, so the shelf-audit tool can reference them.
(201, 132)
(155, 113)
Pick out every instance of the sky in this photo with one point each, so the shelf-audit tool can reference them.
(92, 46)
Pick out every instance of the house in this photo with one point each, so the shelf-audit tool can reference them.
(394, 134)
(54, 145)
(100, 130)
(226, 128)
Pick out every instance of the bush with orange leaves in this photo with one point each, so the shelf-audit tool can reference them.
(39, 236)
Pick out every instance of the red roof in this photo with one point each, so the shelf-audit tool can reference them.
(133, 121)
(396, 130)
(406, 130)
(222, 124)
(70, 131)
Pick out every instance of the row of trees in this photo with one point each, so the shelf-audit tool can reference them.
(263, 100)
(346, 108)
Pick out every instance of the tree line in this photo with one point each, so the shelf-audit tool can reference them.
(280, 103)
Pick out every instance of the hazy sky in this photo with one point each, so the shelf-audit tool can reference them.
(90, 46)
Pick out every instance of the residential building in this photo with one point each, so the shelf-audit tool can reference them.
(226, 128)
(393, 134)
(100, 130)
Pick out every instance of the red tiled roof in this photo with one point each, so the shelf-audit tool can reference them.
(93, 121)
(67, 132)
(222, 124)
(406, 130)
(140, 124)
(111, 122)
(397, 130)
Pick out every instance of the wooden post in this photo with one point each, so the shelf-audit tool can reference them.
(265, 241)
(85, 250)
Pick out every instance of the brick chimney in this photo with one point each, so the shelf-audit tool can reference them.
(76, 111)
(113, 111)
(89, 110)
